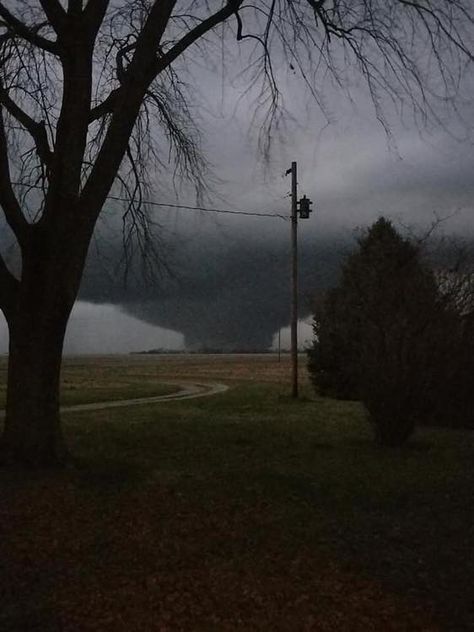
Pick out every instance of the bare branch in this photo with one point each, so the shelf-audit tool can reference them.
(55, 13)
(36, 130)
(197, 32)
(11, 207)
(94, 13)
(105, 107)
(451, 35)
(27, 33)
(137, 78)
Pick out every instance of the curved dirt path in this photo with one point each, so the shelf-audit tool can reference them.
(188, 390)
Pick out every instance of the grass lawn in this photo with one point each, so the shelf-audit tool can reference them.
(89, 379)
(242, 511)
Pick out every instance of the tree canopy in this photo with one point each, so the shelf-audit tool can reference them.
(394, 336)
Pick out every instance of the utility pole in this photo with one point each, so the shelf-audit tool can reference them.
(294, 281)
(305, 210)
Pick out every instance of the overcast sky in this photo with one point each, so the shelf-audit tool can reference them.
(347, 165)
(348, 169)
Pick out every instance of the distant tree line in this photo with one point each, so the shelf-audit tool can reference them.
(205, 351)
(397, 333)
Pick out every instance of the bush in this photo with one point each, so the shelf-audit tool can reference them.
(389, 336)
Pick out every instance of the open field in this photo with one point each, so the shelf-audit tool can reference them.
(87, 379)
(97, 379)
(243, 511)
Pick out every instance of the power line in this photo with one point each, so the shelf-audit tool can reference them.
(202, 208)
(184, 206)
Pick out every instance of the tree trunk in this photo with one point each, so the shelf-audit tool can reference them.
(32, 433)
(51, 269)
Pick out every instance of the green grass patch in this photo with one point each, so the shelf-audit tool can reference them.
(72, 394)
(87, 383)
(87, 394)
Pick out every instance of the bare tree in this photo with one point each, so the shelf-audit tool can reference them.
(91, 92)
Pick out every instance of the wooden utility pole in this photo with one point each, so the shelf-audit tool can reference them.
(294, 281)
(305, 211)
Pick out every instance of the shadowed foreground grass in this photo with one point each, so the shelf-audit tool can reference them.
(245, 511)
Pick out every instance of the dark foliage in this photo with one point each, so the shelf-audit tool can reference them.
(394, 336)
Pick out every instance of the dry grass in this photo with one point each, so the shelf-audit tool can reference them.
(102, 378)
(257, 368)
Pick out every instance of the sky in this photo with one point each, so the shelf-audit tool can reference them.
(225, 267)
(352, 172)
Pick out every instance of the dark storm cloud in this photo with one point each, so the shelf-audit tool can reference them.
(231, 275)
(223, 293)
